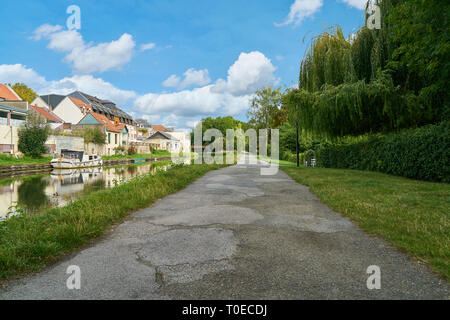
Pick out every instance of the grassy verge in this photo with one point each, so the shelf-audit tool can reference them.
(158, 153)
(280, 162)
(412, 215)
(6, 160)
(31, 242)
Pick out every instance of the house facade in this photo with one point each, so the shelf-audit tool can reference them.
(116, 133)
(49, 102)
(13, 113)
(52, 120)
(161, 140)
(72, 110)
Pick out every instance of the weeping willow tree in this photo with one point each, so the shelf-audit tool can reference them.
(328, 61)
(354, 86)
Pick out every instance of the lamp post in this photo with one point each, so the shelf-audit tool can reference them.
(296, 137)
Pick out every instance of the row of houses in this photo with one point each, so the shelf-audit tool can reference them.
(68, 114)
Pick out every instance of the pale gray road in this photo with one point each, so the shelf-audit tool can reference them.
(235, 234)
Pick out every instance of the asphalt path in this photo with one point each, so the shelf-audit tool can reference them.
(235, 234)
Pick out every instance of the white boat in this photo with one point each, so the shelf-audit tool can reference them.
(69, 159)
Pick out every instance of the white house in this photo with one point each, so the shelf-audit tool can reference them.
(71, 110)
(49, 102)
(13, 112)
(184, 141)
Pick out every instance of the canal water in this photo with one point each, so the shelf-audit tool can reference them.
(33, 194)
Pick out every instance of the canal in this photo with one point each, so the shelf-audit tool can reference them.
(33, 194)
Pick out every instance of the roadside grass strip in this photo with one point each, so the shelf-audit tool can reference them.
(412, 215)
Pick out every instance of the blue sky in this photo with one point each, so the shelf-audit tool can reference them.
(172, 62)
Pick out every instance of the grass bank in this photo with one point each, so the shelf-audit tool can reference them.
(412, 215)
(6, 160)
(31, 242)
(158, 153)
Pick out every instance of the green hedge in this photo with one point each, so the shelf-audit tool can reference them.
(422, 153)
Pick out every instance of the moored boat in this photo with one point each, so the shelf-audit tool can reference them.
(69, 159)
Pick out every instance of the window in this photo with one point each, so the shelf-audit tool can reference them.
(115, 138)
(109, 137)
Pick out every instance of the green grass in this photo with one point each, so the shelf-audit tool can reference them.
(157, 153)
(280, 162)
(6, 160)
(412, 215)
(31, 242)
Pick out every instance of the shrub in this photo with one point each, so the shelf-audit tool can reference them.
(131, 150)
(32, 140)
(119, 150)
(94, 135)
(422, 153)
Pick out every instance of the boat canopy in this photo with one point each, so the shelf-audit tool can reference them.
(70, 154)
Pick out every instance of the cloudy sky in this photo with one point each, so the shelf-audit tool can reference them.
(172, 62)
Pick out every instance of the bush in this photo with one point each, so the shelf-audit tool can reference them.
(131, 150)
(32, 141)
(119, 150)
(94, 135)
(422, 153)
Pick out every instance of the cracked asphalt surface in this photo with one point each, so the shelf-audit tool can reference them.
(235, 234)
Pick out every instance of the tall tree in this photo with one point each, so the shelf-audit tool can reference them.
(380, 80)
(266, 108)
(24, 92)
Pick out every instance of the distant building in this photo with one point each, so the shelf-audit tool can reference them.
(159, 127)
(110, 111)
(72, 110)
(8, 94)
(116, 133)
(142, 123)
(13, 113)
(103, 107)
(161, 140)
(53, 120)
(50, 101)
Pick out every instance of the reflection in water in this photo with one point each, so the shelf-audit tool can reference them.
(34, 194)
(31, 194)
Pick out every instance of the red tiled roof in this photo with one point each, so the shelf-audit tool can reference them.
(159, 128)
(8, 93)
(43, 112)
(80, 103)
(110, 126)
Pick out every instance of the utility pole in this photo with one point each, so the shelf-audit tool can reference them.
(296, 137)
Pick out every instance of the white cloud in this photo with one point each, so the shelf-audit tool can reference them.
(147, 46)
(249, 73)
(300, 10)
(65, 41)
(172, 81)
(225, 97)
(87, 58)
(192, 77)
(87, 83)
(93, 86)
(13, 73)
(44, 31)
(102, 57)
(199, 101)
(358, 4)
